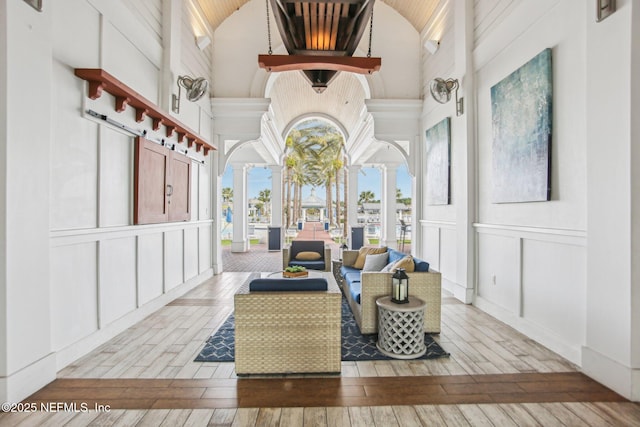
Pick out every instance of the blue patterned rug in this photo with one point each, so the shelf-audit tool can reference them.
(355, 346)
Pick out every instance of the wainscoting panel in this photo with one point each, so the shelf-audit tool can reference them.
(74, 296)
(554, 288)
(540, 283)
(117, 279)
(499, 271)
(204, 242)
(204, 206)
(431, 246)
(150, 275)
(448, 256)
(115, 178)
(173, 257)
(190, 253)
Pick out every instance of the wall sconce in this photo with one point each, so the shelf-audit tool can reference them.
(604, 8)
(202, 42)
(195, 88)
(432, 46)
(441, 92)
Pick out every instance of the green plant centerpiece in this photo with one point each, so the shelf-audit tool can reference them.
(295, 271)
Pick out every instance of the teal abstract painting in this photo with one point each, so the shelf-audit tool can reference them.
(438, 150)
(521, 114)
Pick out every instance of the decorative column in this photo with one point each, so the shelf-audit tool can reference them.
(352, 203)
(240, 241)
(216, 213)
(276, 195)
(27, 347)
(388, 206)
(352, 206)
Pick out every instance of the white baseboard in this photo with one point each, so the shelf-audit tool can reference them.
(534, 331)
(460, 292)
(78, 349)
(28, 380)
(622, 379)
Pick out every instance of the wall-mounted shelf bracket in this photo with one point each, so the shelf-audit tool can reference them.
(100, 80)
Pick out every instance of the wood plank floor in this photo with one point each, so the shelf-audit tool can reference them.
(495, 376)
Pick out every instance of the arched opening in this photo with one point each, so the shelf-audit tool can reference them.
(314, 174)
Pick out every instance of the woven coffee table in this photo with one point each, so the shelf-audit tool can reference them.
(401, 328)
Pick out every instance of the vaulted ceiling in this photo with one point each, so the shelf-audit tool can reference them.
(417, 12)
(291, 94)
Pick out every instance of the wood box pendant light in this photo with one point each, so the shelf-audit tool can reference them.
(321, 37)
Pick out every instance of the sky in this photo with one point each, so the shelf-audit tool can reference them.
(370, 179)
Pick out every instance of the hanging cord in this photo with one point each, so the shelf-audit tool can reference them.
(269, 28)
(370, 34)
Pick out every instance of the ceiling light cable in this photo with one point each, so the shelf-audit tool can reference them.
(268, 28)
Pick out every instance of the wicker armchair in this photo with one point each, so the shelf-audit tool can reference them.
(297, 246)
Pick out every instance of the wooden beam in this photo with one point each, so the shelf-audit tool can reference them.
(336, 63)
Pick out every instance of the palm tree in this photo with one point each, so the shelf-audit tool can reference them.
(265, 198)
(366, 196)
(313, 151)
(227, 194)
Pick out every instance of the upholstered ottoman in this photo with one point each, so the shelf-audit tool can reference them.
(282, 327)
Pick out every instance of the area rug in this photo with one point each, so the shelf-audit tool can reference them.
(355, 346)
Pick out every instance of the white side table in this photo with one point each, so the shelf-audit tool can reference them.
(401, 328)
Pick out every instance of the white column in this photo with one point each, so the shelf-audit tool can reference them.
(464, 179)
(240, 241)
(27, 361)
(352, 207)
(352, 203)
(388, 206)
(276, 195)
(611, 353)
(216, 214)
(417, 211)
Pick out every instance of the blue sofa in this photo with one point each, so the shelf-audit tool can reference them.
(362, 288)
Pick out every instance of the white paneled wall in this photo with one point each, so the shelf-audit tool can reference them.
(530, 258)
(149, 13)
(74, 304)
(150, 277)
(534, 279)
(198, 62)
(116, 278)
(106, 272)
(440, 27)
(489, 13)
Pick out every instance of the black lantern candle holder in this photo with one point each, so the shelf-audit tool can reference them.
(400, 287)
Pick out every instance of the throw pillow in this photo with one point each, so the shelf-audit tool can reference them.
(406, 263)
(387, 268)
(308, 256)
(362, 254)
(375, 262)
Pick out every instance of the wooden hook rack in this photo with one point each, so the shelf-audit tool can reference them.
(100, 80)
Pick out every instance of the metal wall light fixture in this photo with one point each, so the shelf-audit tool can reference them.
(202, 42)
(604, 8)
(441, 92)
(195, 88)
(432, 46)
